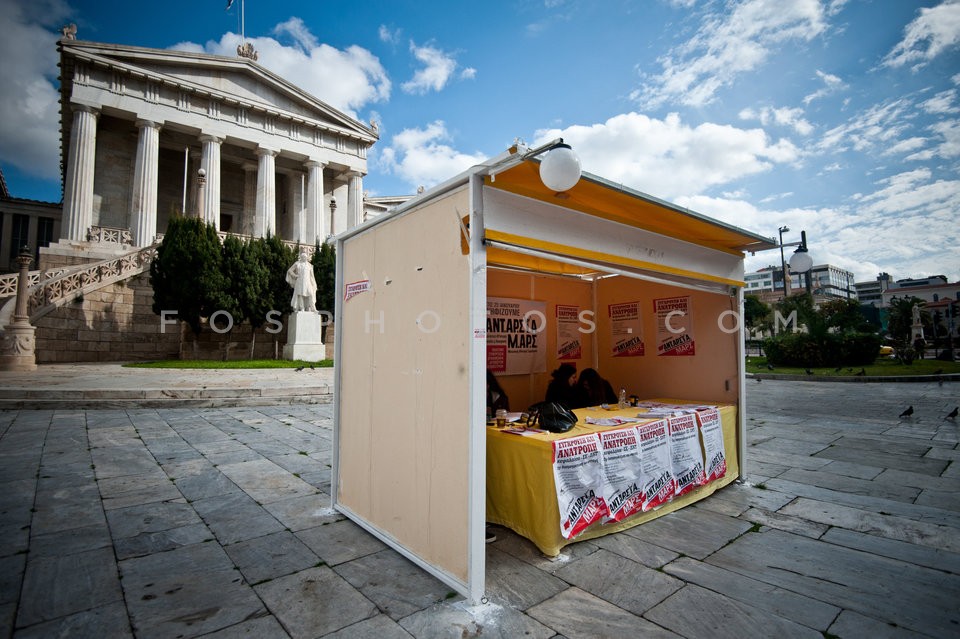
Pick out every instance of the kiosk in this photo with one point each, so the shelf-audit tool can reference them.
(648, 293)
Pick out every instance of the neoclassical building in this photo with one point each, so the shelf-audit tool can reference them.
(147, 134)
(138, 124)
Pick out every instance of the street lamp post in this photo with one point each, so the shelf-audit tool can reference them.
(783, 262)
(800, 261)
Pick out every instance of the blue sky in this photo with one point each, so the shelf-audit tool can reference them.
(838, 117)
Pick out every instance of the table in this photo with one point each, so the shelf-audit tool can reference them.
(520, 487)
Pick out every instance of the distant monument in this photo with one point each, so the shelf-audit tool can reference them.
(916, 329)
(304, 332)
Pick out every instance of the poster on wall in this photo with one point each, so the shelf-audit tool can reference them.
(516, 341)
(578, 476)
(569, 345)
(626, 329)
(674, 327)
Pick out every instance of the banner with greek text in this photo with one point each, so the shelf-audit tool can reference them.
(686, 454)
(516, 342)
(674, 326)
(569, 344)
(626, 329)
(622, 484)
(656, 466)
(578, 476)
(711, 430)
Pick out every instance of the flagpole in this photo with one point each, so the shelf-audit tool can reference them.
(243, 25)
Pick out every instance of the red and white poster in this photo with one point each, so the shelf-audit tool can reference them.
(516, 341)
(626, 329)
(578, 476)
(620, 458)
(711, 430)
(685, 453)
(674, 327)
(655, 464)
(569, 345)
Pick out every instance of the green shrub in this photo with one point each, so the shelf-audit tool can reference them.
(832, 349)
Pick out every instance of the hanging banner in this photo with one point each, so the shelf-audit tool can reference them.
(674, 326)
(578, 477)
(620, 459)
(626, 329)
(516, 342)
(685, 453)
(569, 345)
(655, 464)
(711, 431)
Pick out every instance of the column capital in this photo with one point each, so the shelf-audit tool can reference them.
(209, 137)
(143, 122)
(264, 150)
(312, 163)
(84, 108)
(249, 166)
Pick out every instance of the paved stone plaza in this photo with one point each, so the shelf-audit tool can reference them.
(188, 521)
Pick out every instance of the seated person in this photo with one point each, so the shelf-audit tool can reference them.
(562, 388)
(496, 398)
(594, 389)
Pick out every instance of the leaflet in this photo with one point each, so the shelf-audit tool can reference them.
(686, 454)
(578, 477)
(655, 466)
(622, 486)
(711, 430)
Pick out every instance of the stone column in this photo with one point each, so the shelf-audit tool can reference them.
(249, 198)
(18, 345)
(355, 200)
(315, 218)
(210, 162)
(296, 193)
(266, 216)
(143, 203)
(78, 184)
(194, 165)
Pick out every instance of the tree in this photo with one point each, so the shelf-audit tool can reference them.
(756, 313)
(277, 257)
(325, 272)
(253, 288)
(234, 272)
(900, 326)
(845, 315)
(187, 275)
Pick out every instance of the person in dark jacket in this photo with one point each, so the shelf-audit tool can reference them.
(562, 388)
(594, 389)
(496, 398)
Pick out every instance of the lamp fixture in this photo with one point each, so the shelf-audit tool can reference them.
(800, 261)
(560, 168)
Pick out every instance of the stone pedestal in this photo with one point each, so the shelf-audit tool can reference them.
(303, 337)
(18, 348)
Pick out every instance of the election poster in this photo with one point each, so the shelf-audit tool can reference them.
(569, 345)
(711, 431)
(674, 327)
(655, 464)
(516, 341)
(685, 453)
(620, 459)
(626, 329)
(578, 476)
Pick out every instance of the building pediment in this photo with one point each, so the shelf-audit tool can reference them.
(232, 83)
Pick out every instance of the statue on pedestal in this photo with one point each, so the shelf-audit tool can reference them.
(300, 277)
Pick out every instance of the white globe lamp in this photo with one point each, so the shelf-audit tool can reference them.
(560, 168)
(800, 261)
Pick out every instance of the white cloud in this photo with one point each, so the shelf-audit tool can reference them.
(934, 31)
(941, 103)
(879, 126)
(831, 83)
(668, 158)
(347, 79)
(29, 101)
(439, 67)
(906, 146)
(728, 43)
(387, 35)
(424, 157)
(783, 116)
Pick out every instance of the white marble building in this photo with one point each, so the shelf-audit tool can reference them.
(138, 123)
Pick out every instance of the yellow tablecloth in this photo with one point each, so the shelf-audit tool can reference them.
(520, 489)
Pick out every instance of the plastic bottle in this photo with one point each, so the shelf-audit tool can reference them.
(623, 398)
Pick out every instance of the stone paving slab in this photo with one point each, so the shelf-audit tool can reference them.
(115, 489)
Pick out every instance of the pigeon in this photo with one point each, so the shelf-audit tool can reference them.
(311, 367)
(908, 412)
(951, 415)
(769, 367)
(809, 372)
(759, 380)
(299, 368)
